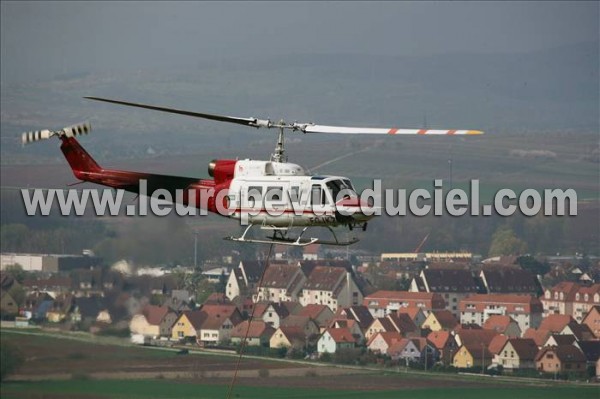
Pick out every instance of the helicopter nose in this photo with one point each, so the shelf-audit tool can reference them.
(355, 211)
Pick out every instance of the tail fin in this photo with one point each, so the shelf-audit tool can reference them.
(80, 161)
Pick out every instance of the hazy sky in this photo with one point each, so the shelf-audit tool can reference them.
(42, 39)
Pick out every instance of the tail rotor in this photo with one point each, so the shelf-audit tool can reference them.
(69, 131)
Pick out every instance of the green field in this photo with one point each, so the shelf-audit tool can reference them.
(180, 390)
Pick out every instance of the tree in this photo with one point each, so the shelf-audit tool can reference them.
(10, 359)
(530, 263)
(17, 272)
(505, 242)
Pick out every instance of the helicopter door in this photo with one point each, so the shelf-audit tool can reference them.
(318, 200)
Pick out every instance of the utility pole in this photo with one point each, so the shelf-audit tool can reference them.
(195, 250)
(482, 357)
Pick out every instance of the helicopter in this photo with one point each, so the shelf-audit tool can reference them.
(274, 195)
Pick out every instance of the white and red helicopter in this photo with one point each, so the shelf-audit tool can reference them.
(275, 195)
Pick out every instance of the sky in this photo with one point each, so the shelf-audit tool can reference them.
(40, 40)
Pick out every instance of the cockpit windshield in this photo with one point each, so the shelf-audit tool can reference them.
(341, 189)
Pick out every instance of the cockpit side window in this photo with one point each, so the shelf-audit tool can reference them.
(340, 189)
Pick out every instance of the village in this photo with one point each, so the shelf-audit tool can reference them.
(512, 315)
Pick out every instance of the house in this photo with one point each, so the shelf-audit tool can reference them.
(509, 280)
(36, 305)
(271, 313)
(288, 337)
(153, 321)
(561, 340)
(473, 337)
(381, 341)
(243, 280)
(91, 309)
(557, 359)
(359, 313)
(472, 355)
(404, 325)
(497, 343)
(585, 299)
(178, 300)
(380, 324)
(566, 325)
(321, 314)
(416, 315)
(453, 284)
(258, 333)
(381, 303)
(331, 286)
(404, 350)
(572, 299)
(524, 309)
(61, 308)
(281, 283)
(309, 327)
(592, 320)
(351, 325)
(311, 252)
(220, 320)
(8, 305)
(517, 353)
(335, 339)
(188, 325)
(445, 345)
(503, 325)
(440, 320)
(591, 350)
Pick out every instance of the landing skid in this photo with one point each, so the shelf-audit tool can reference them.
(280, 236)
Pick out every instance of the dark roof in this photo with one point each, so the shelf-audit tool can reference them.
(196, 318)
(591, 350)
(403, 323)
(361, 314)
(90, 307)
(324, 278)
(565, 353)
(510, 280)
(563, 339)
(445, 280)
(252, 269)
(445, 318)
(279, 276)
(526, 348)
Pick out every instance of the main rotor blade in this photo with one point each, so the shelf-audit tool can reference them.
(253, 122)
(367, 130)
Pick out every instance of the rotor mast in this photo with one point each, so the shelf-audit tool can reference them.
(279, 154)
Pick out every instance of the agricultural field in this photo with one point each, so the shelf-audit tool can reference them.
(56, 367)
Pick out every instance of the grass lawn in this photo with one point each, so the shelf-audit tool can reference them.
(180, 390)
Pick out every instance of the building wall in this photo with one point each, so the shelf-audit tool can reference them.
(279, 340)
(183, 328)
(464, 359)
(139, 325)
(326, 344)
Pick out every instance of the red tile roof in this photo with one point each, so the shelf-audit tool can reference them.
(540, 336)
(555, 322)
(341, 335)
(524, 304)
(314, 310)
(439, 339)
(258, 329)
(381, 299)
(389, 337)
(499, 323)
(155, 314)
(497, 343)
